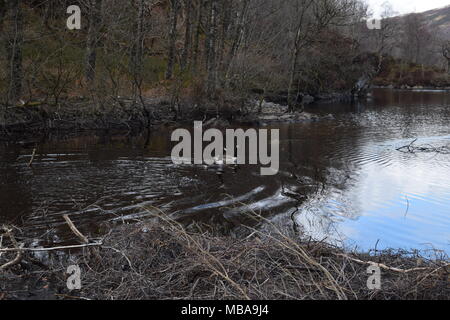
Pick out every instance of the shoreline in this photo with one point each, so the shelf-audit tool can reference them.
(28, 121)
(169, 260)
(413, 88)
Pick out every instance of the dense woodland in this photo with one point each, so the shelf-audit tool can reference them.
(195, 52)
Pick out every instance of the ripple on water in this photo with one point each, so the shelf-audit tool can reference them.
(358, 187)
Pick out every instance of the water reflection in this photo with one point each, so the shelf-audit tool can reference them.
(345, 177)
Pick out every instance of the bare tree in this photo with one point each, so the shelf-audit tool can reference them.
(14, 43)
(310, 20)
(416, 38)
(93, 37)
(446, 54)
(227, 49)
(239, 29)
(301, 38)
(188, 9)
(211, 49)
(173, 21)
(197, 33)
(383, 38)
(3, 9)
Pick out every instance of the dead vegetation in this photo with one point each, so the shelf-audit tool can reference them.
(426, 148)
(160, 259)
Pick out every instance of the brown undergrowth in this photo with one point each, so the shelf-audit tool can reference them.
(161, 259)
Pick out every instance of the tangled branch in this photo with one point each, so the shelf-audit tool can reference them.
(427, 148)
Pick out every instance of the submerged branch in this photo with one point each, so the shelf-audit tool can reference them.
(411, 148)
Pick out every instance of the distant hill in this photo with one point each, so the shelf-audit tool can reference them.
(415, 57)
(438, 20)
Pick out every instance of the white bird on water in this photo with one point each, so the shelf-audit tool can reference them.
(228, 160)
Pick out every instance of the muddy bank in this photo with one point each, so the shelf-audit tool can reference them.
(160, 259)
(81, 114)
(23, 122)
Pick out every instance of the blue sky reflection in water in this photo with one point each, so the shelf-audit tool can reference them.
(400, 200)
(359, 188)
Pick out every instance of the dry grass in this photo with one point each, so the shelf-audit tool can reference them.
(160, 259)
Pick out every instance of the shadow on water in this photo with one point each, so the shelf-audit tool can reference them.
(344, 176)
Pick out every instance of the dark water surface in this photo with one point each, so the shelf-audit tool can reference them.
(355, 187)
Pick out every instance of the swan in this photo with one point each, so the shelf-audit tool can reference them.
(228, 160)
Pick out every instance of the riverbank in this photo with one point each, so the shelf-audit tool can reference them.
(78, 115)
(160, 259)
(414, 88)
(398, 74)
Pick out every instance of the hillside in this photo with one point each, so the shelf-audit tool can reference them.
(413, 45)
(438, 19)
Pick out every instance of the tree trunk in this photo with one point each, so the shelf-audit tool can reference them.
(446, 54)
(237, 37)
(3, 9)
(196, 44)
(95, 11)
(298, 43)
(226, 17)
(293, 70)
(172, 38)
(187, 36)
(207, 29)
(137, 51)
(212, 42)
(14, 39)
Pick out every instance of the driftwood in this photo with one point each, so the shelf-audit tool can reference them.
(32, 157)
(18, 248)
(75, 230)
(383, 266)
(412, 148)
(94, 244)
(80, 236)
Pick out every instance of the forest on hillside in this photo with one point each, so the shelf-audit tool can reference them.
(216, 54)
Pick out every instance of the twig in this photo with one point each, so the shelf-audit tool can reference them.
(16, 260)
(407, 208)
(382, 266)
(70, 297)
(75, 230)
(123, 254)
(32, 157)
(18, 248)
(96, 244)
(410, 148)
